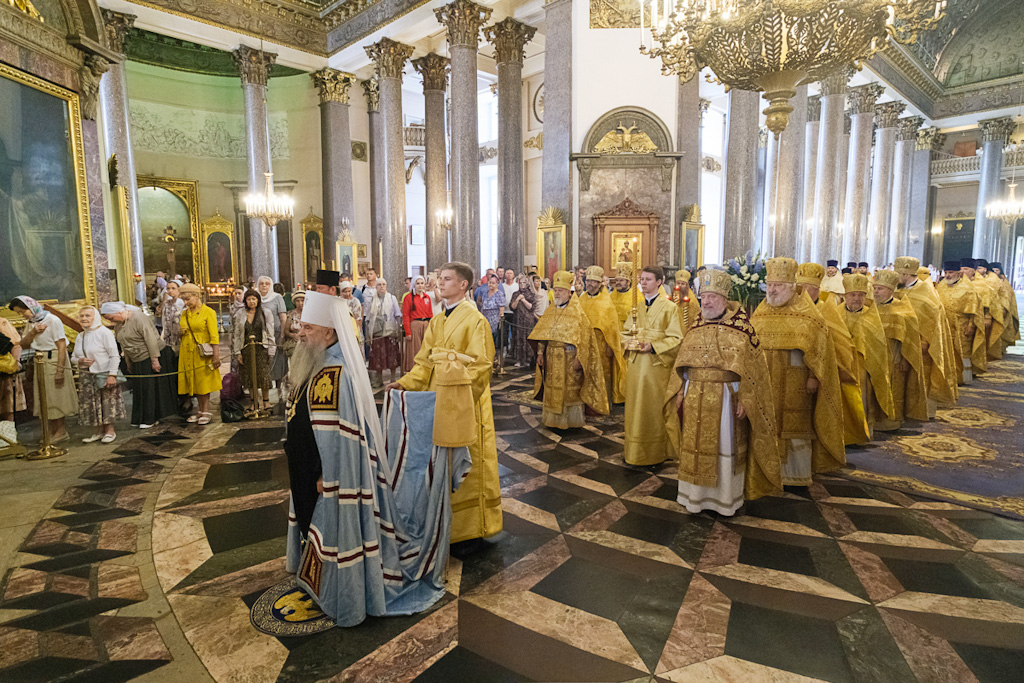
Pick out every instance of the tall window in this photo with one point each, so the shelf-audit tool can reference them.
(712, 182)
(488, 216)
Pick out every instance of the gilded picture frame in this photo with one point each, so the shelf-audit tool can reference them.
(187, 191)
(313, 247)
(551, 249)
(71, 161)
(217, 251)
(691, 244)
(621, 245)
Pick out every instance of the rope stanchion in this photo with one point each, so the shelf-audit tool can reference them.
(257, 411)
(500, 372)
(46, 449)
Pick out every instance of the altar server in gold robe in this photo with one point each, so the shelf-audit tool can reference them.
(650, 356)
(963, 306)
(805, 377)
(872, 351)
(809, 277)
(689, 306)
(620, 295)
(906, 367)
(718, 411)
(598, 306)
(995, 321)
(476, 505)
(569, 372)
(936, 338)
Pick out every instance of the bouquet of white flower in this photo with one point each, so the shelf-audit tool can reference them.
(747, 273)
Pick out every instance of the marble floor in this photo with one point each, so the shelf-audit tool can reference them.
(146, 563)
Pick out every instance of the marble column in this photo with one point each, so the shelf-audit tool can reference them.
(434, 69)
(741, 148)
(803, 251)
(842, 164)
(824, 229)
(688, 127)
(886, 118)
(556, 170)
(995, 133)
(389, 58)
(906, 140)
(378, 198)
(97, 268)
(862, 120)
(760, 188)
(117, 137)
(929, 141)
(253, 66)
(771, 175)
(336, 162)
(789, 180)
(463, 20)
(509, 37)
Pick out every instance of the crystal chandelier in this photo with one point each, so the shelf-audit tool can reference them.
(269, 207)
(773, 46)
(1009, 210)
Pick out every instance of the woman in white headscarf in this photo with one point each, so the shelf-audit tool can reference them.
(274, 304)
(99, 395)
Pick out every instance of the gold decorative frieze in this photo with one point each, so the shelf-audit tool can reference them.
(253, 65)
(389, 57)
(434, 68)
(332, 85)
(509, 37)
(862, 98)
(996, 129)
(624, 13)
(371, 90)
(887, 114)
(463, 20)
(907, 128)
(625, 140)
(536, 142)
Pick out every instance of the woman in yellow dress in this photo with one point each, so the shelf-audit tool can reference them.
(199, 359)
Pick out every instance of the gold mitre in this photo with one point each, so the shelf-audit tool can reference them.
(888, 278)
(781, 269)
(624, 269)
(924, 274)
(856, 283)
(683, 274)
(595, 273)
(906, 265)
(810, 274)
(563, 279)
(717, 281)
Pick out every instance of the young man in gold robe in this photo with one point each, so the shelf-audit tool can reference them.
(598, 306)
(621, 297)
(963, 306)
(804, 376)
(460, 327)
(993, 305)
(872, 351)
(906, 368)
(718, 412)
(689, 306)
(809, 277)
(936, 338)
(569, 370)
(650, 356)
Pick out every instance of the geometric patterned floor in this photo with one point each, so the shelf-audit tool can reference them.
(597, 576)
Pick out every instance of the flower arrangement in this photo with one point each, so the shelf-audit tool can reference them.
(747, 273)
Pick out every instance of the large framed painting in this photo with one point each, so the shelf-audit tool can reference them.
(169, 223)
(218, 251)
(626, 246)
(691, 245)
(551, 243)
(45, 236)
(312, 246)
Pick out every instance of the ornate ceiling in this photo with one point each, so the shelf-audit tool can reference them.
(182, 55)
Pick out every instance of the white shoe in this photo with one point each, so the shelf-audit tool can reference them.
(147, 426)
(92, 439)
(107, 438)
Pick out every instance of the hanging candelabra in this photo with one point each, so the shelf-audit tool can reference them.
(269, 207)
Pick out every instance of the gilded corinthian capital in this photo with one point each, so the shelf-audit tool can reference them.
(887, 114)
(434, 69)
(253, 65)
(930, 139)
(908, 128)
(332, 84)
(835, 84)
(996, 129)
(389, 57)
(371, 89)
(463, 20)
(117, 25)
(509, 37)
(862, 98)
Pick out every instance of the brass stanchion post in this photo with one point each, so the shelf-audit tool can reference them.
(46, 450)
(257, 411)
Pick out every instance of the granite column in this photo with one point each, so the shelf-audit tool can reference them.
(886, 118)
(378, 198)
(824, 229)
(995, 133)
(903, 158)
(509, 37)
(929, 140)
(688, 127)
(434, 69)
(389, 58)
(803, 250)
(842, 165)
(739, 216)
(556, 169)
(336, 146)
(253, 67)
(862, 120)
(789, 180)
(463, 20)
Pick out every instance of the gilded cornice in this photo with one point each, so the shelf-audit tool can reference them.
(332, 85)
(253, 64)
(118, 26)
(463, 20)
(993, 130)
(930, 139)
(862, 98)
(21, 29)
(887, 114)
(389, 57)
(434, 69)
(908, 128)
(914, 72)
(814, 108)
(509, 37)
(371, 90)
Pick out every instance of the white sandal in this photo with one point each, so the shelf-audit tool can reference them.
(204, 418)
(193, 418)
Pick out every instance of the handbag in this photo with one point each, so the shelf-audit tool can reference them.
(9, 364)
(101, 378)
(205, 349)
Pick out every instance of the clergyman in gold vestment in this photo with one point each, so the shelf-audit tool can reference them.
(906, 368)
(569, 372)
(683, 297)
(598, 306)
(718, 411)
(871, 350)
(805, 377)
(476, 505)
(1011, 330)
(963, 306)
(649, 365)
(621, 296)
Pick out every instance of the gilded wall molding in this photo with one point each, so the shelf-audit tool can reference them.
(389, 57)
(536, 142)
(509, 37)
(463, 19)
(332, 85)
(434, 68)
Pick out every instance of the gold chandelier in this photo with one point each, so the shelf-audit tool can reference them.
(773, 46)
(269, 207)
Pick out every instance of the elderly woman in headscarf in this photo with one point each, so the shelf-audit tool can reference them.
(274, 304)
(199, 363)
(12, 396)
(383, 329)
(524, 300)
(417, 310)
(254, 321)
(170, 315)
(154, 389)
(99, 395)
(45, 334)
